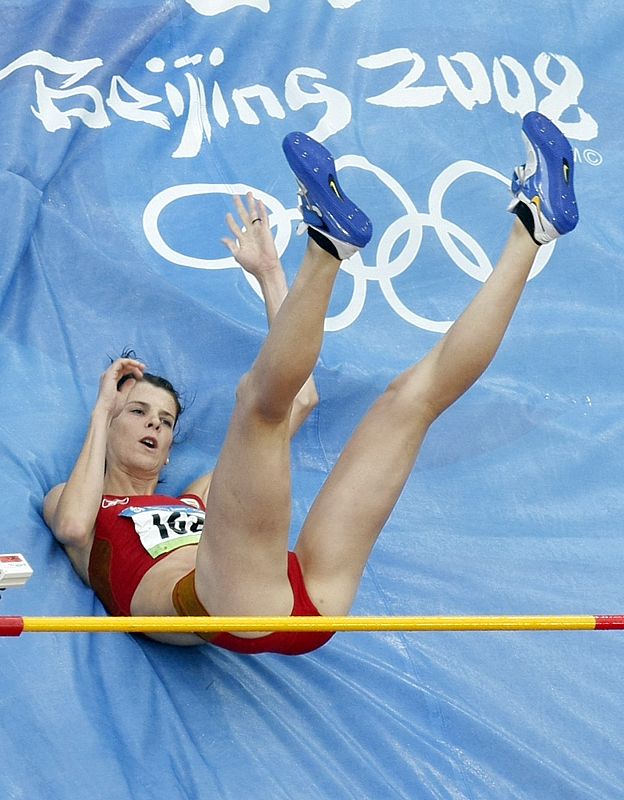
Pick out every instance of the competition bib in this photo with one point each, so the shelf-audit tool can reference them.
(165, 528)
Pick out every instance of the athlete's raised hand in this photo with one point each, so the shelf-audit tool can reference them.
(253, 247)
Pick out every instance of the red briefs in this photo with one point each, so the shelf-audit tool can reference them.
(286, 643)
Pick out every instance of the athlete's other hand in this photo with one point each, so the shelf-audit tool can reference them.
(112, 399)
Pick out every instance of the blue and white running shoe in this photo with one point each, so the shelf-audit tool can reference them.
(324, 206)
(543, 188)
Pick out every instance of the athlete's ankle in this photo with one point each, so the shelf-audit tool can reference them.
(323, 243)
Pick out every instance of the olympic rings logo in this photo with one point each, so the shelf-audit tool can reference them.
(386, 268)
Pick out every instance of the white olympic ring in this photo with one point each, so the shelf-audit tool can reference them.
(386, 268)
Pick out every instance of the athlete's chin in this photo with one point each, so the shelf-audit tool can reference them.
(146, 465)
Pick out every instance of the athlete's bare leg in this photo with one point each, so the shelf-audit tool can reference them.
(366, 482)
(242, 556)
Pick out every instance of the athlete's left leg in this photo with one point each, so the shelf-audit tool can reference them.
(366, 482)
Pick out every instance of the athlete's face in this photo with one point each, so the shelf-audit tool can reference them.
(142, 434)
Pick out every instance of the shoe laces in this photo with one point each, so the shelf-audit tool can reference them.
(521, 173)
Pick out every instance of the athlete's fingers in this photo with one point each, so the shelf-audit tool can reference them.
(124, 389)
(124, 366)
(251, 205)
(231, 245)
(130, 366)
(262, 213)
(233, 226)
(242, 211)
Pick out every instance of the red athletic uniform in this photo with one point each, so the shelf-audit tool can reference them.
(119, 560)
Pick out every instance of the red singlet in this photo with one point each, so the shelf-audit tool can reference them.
(118, 560)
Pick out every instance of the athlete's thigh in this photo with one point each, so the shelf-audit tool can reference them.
(242, 556)
(356, 501)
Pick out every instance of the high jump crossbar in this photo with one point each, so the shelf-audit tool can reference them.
(15, 626)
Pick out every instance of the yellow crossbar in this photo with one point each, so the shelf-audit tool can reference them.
(219, 624)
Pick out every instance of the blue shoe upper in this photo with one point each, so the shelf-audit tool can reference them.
(548, 179)
(323, 203)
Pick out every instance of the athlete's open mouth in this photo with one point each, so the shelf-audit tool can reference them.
(149, 442)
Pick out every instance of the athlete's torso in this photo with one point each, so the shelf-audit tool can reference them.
(148, 539)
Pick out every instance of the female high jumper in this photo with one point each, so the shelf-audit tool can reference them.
(221, 547)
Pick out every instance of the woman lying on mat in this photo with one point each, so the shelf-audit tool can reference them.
(221, 547)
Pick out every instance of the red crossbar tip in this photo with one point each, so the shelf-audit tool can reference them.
(609, 622)
(11, 626)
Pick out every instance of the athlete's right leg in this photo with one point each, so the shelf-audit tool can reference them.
(366, 482)
(242, 556)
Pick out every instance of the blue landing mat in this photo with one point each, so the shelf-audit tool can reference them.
(125, 126)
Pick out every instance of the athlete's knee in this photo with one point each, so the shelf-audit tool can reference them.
(253, 398)
(407, 399)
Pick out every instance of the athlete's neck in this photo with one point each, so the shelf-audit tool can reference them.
(121, 482)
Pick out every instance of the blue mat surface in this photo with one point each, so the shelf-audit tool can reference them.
(125, 127)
